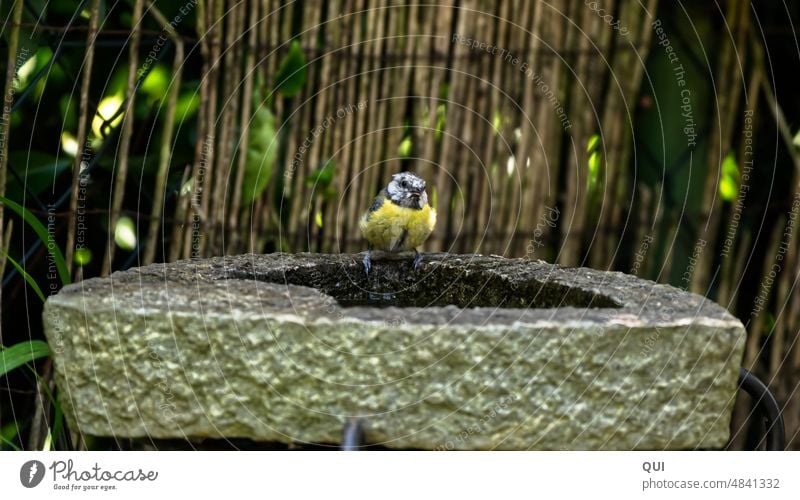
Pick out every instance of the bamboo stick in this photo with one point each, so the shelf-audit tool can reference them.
(199, 244)
(457, 86)
(125, 137)
(461, 165)
(5, 127)
(752, 351)
(335, 224)
(268, 219)
(329, 91)
(230, 79)
(379, 173)
(300, 125)
(440, 24)
(550, 126)
(189, 203)
(727, 290)
(376, 26)
(618, 112)
(520, 119)
(83, 119)
(727, 94)
(360, 190)
(166, 139)
(346, 168)
(6, 245)
(234, 235)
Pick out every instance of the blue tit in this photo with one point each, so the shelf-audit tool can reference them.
(400, 219)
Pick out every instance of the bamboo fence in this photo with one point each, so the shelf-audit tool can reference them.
(502, 129)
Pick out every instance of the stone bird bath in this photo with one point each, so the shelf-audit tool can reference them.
(471, 352)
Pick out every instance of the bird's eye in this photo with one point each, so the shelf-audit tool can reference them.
(404, 184)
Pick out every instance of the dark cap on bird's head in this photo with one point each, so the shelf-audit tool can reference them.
(407, 190)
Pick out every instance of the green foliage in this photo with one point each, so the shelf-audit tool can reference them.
(40, 174)
(769, 323)
(19, 354)
(186, 106)
(497, 122)
(594, 167)
(27, 277)
(441, 117)
(321, 180)
(125, 233)
(292, 73)
(729, 181)
(261, 154)
(405, 148)
(155, 84)
(108, 115)
(68, 105)
(594, 164)
(41, 231)
(35, 63)
(7, 434)
(323, 175)
(592, 143)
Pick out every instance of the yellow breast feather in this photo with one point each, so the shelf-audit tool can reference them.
(393, 228)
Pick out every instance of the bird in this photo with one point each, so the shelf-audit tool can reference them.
(400, 219)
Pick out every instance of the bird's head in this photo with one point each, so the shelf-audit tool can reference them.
(407, 190)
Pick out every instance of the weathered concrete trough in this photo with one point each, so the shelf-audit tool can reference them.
(470, 352)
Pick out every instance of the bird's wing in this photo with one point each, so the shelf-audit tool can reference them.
(376, 204)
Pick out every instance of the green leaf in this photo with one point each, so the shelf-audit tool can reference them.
(292, 73)
(727, 189)
(41, 231)
(7, 434)
(592, 143)
(329, 193)
(497, 122)
(594, 170)
(594, 163)
(156, 82)
(19, 354)
(41, 173)
(769, 322)
(125, 233)
(58, 419)
(261, 153)
(318, 219)
(108, 115)
(322, 176)
(27, 277)
(729, 182)
(187, 105)
(441, 116)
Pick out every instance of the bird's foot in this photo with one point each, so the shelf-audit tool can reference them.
(367, 262)
(417, 260)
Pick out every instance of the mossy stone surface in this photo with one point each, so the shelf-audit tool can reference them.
(469, 352)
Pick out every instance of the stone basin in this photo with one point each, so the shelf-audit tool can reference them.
(468, 352)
